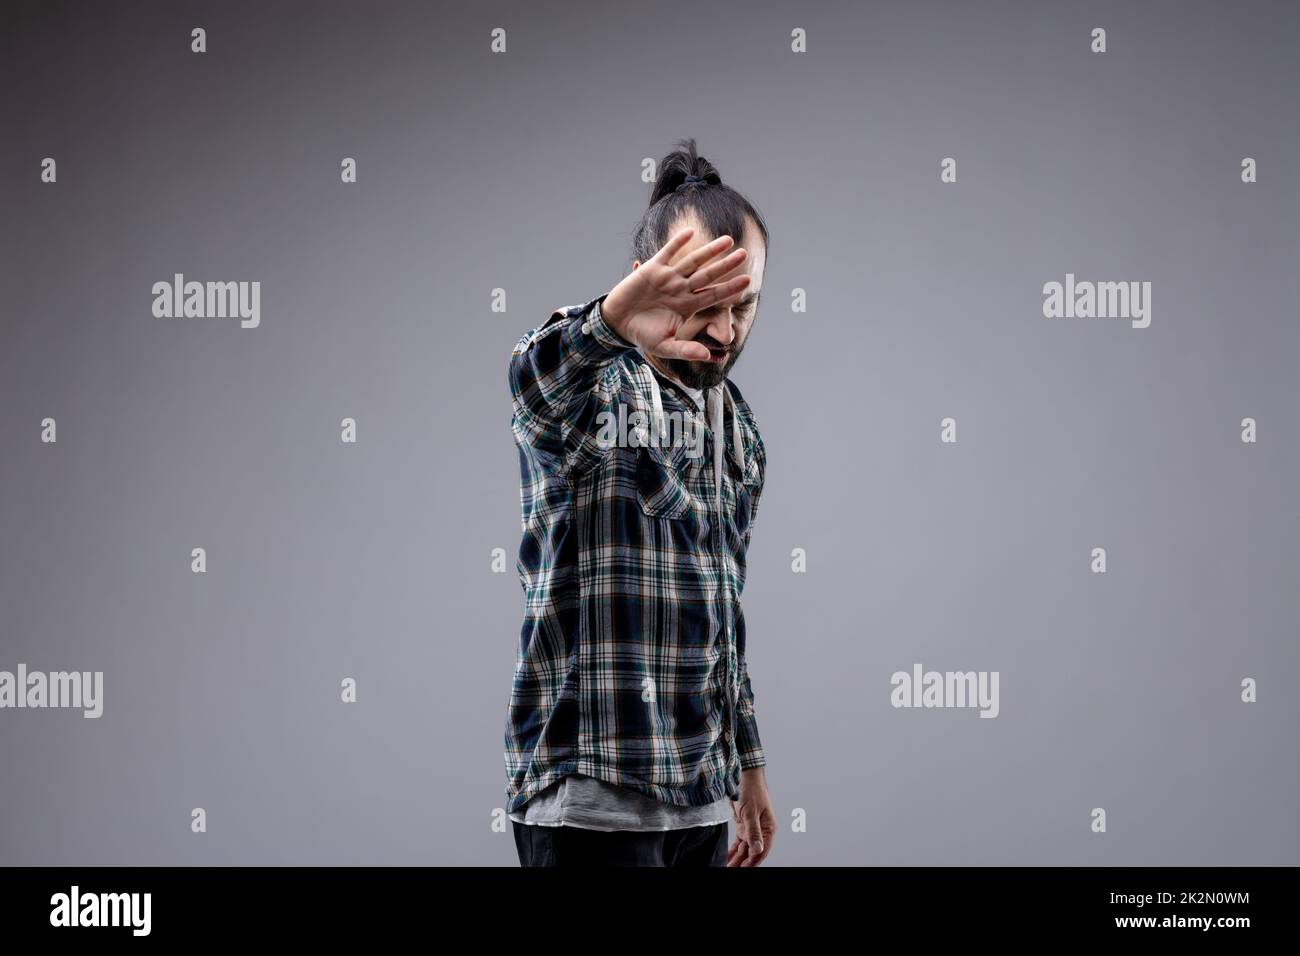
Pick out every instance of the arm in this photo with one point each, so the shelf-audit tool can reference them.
(555, 369)
(554, 372)
(748, 742)
(754, 814)
(749, 745)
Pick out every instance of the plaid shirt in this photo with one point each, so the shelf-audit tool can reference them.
(631, 660)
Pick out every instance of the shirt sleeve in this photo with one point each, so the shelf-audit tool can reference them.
(756, 490)
(749, 746)
(554, 372)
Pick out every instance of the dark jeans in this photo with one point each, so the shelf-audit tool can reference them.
(574, 846)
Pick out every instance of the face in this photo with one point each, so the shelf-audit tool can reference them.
(724, 329)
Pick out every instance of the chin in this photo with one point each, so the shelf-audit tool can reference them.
(698, 374)
(701, 375)
(706, 374)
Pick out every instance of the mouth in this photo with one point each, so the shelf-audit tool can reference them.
(718, 355)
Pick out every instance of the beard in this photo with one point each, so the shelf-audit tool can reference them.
(702, 375)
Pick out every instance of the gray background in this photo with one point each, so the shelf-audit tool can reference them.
(523, 171)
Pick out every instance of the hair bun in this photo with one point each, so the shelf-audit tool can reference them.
(682, 170)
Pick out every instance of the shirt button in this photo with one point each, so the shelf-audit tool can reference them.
(586, 328)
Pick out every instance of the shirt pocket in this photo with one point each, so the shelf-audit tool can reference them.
(659, 487)
(745, 485)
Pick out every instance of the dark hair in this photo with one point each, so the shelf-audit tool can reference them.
(722, 211)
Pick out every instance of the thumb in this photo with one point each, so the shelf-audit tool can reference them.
(751, 832)
(681, 349)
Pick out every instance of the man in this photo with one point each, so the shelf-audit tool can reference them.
(630, 736)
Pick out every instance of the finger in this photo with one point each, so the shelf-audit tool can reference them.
(757, 845)
(692, 261)
(739, 850)
(690, 329)
(744, 838)
(745, 855)
(665, 254)
(682, 349)
(722, 269)
(719, 294)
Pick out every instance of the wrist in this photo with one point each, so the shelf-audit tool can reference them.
(597, 324)
(611, 312)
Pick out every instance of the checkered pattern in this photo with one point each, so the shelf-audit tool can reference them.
(631, 660)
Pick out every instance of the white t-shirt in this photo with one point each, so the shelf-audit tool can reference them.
(593, 804)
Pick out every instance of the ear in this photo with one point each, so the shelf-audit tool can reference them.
(635, 263)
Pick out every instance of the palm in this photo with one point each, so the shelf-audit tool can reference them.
(653, 325)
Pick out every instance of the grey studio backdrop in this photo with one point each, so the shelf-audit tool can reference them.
(522, 171)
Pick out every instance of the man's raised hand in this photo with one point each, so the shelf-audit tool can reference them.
(653, 301)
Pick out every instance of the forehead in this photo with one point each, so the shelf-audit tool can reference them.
(751, 242)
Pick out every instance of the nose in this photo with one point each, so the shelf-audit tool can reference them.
(721, 327)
